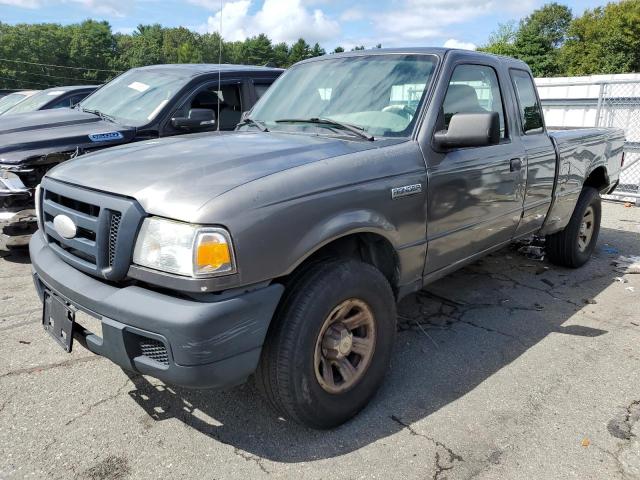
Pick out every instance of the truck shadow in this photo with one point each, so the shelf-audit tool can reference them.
(452, 336)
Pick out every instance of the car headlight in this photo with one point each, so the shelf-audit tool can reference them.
(184, 249)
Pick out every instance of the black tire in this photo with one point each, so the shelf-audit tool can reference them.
(563, 248)
(287, 375)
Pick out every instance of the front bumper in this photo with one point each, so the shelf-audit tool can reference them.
(16, 227)
(208, 344)
(17, 214)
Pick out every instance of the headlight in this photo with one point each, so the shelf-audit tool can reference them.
(184, 249)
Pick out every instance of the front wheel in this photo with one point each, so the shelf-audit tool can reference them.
(330, 344)
(573, 246)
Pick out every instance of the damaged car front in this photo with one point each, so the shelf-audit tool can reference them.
(15, 215)
(26, 154)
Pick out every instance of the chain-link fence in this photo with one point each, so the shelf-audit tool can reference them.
(608, 103)
(620, 107)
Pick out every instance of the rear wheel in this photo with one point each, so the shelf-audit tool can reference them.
(573, 246)
(330, 344)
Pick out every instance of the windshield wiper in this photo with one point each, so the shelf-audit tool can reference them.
(102, 115)
(360, 132)
(250, 121)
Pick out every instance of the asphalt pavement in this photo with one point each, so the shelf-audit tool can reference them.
(511, 368)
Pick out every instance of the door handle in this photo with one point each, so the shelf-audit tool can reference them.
(515, 164)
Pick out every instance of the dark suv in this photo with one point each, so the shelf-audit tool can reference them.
(141, 104)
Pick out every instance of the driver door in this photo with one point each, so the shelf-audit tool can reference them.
(475, 194)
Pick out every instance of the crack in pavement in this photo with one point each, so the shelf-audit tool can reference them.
(501, 277)
(440, 467)
(42, 368)
(247, 457)
(622, 429)
(4, 404)
(88, 410)
(458, 311)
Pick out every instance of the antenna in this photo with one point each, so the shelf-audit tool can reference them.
(219, 65)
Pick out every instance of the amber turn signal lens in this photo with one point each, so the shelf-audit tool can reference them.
(213, 253)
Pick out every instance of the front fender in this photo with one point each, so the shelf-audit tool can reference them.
(338, 226)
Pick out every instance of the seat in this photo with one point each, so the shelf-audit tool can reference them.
(230, 107)
(205, 99)
(461, 99)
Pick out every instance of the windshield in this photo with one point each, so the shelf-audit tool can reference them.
(35, 102)
(377, 93)
(135, 97)
(10, 100)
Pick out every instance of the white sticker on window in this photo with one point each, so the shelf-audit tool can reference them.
(139, 86)
(55, 92)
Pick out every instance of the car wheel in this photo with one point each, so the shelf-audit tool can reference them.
(330, 343)
(573, 246)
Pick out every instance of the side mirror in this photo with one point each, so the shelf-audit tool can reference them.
(469, 130)
(198, 118)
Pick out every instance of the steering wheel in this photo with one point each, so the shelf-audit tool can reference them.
(402, 110)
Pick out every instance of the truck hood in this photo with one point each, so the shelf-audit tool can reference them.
(26, 135)
(174, 177)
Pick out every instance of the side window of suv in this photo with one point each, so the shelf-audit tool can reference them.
(474, 89)
(530, 111)
(207, 98)
(64, 103)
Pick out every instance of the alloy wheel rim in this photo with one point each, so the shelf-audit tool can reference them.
(587, 227)
(345, 346)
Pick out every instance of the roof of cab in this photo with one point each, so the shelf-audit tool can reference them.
(439, 51)
(203, 68)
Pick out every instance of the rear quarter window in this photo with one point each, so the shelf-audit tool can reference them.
(530, 110)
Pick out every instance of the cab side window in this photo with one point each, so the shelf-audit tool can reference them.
(64, 103)
(530, 111)
(207, 98)
(474, 89)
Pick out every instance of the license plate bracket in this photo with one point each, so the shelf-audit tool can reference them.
(58, 320)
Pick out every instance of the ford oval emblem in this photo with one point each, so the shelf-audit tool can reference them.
(65, 226)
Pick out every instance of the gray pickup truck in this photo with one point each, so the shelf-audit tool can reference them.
(281, 249)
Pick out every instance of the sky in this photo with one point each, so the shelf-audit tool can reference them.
(332, 23)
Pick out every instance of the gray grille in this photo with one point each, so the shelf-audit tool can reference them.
(155, 350)
(106, 228)
(84, 215)
(114, 226)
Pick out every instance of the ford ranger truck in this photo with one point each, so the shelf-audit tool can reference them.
(142, 103)
(280, 250)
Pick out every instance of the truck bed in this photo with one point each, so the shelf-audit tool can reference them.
(579, 152)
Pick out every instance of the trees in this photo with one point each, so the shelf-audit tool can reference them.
(501, 41)
(299, 51)
(536, 40)
(281, 54)
(91, 45)
(540, 36)
(604, 40)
